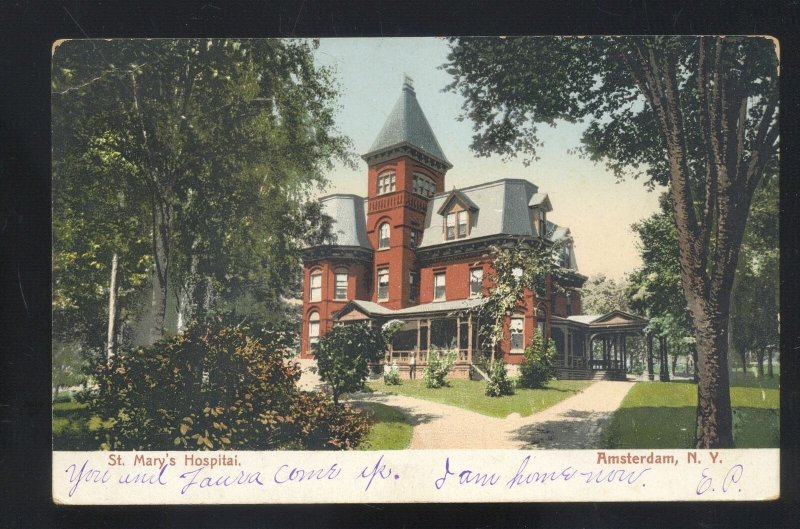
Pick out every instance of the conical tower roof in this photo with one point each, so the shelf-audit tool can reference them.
(407, 124)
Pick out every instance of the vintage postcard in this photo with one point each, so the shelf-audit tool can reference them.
(415, 270)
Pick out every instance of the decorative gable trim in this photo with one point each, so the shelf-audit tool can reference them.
(457, 196)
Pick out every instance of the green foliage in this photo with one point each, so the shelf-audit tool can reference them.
(343, 355)
(194, 160)
(214, 387)
(391, 429)
(437, 366)
(391, 377)
(69, 365)
(601, 294)
(537, 367)
(498, 384)
(516, 268)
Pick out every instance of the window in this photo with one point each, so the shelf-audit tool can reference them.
(450, 229)
(414, 237)
(540, 287)
(340, 292)
(463, 222)
(540, 328)
(438, 286)
(383, 236)
(542, 223)
(569, 303)
(413, 284)
(313, 328)
(517, 328)
(424, 186)
(476, 282)
(315, 286)
(386, 183)
(383, 284)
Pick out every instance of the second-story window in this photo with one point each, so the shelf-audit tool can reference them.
(383, 284)
(439, 286)
(386, 183)
(476, 282)
(413, 286)
(340, 292)
(315, 286)
(413, 239)
(383, 236)
(569, 303)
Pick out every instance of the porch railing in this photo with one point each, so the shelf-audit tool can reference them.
(572, 362)
(403, 357)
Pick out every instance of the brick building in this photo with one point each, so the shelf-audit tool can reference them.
(414, 250)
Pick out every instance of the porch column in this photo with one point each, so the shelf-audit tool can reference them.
(429, 340)
(650, 374)
(624, 343)
(419, 332)
(458, 337)
(591, 350)
(469, 339)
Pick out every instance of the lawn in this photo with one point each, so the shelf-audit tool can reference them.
(74, 428)
(391, 430)
(470, 395)
(662, 415)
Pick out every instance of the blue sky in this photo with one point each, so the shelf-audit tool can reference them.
(587, 198)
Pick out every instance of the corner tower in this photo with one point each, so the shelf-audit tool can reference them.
(406, 168)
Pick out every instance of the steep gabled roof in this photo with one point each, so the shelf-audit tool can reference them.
(455, 194)
(407, 124)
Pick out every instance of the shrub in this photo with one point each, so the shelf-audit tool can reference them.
(537, 367)
(498, 384)
(437, 366)
(324, 426)
(213, 387)
(343, 355)
(391, 377)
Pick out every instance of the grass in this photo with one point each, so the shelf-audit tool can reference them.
(74, 428)
(470, 395)
(391, 430)
(662, 415)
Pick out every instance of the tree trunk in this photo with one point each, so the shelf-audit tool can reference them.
(112, 310)
(161, 234)
(760, 360)
(714, 419)
(769, 363)
(674, 365)
(695, 375)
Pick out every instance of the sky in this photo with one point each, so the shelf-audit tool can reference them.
(586, 197)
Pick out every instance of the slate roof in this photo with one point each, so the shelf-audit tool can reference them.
(349, 219)
(502, 210)
(407, 124)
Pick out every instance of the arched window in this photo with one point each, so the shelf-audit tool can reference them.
(313, 328)
(383, 284)
(340, 285)
(315, 286)
(386, 183)
(383, 236)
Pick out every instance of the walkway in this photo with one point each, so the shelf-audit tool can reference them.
(575, 422)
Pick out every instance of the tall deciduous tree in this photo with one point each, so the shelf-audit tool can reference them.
(698, 114)
(192, 157)
(601, 294)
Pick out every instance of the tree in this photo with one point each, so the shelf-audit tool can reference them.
(343, 355)
(697, 114)
(601, 294)
(754, 307)
(194, 158)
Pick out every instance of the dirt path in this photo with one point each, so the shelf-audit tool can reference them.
(575, 422)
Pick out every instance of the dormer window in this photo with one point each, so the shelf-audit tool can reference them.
(424, 186)
(386, 183)
(457, 210)
(463, 223)
(456, 225)
(450, 229)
